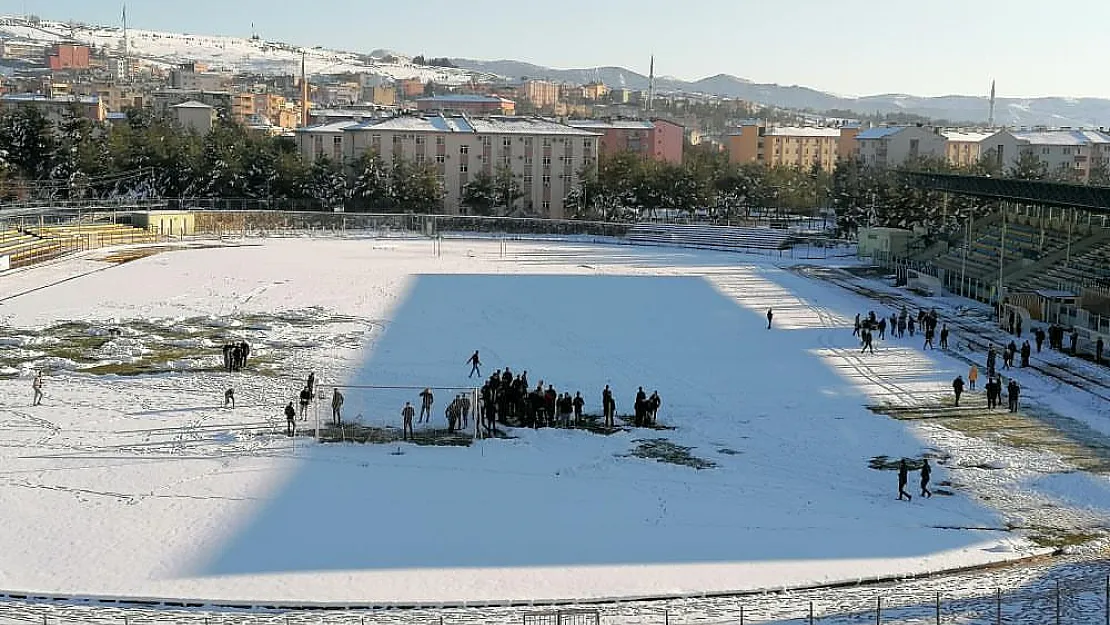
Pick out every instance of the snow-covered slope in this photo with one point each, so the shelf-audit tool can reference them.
(236, 54)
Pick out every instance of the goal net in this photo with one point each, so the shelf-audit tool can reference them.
(371, 413)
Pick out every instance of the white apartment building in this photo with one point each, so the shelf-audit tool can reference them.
(1063, 149)
(545, 157)
(890, 146)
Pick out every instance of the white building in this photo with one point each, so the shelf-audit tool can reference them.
(1064, 149)
(546, 158)
(890, 146)
(196, 116)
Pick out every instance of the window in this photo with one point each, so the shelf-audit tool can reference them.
(547, 180)
(1067, 151)
(1044, 150)
(506, 161)
(547, 161)
(439, 140)
(528, 142)
(462, 168)
(487, 141)
(527, 178)
(547, 205)
(464, 149)
(419, 159)
(440, 158)
(546, 142)
(507, 142)
(419, 140)
(527, 161)
(587, 145)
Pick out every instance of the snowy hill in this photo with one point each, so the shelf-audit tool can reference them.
(236, 54)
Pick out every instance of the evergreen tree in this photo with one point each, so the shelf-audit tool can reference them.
(371, 187)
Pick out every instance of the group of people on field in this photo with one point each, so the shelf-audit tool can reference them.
(235, 355)
(993, 389)
(899, 323)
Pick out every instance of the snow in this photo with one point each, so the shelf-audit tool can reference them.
(145, 486)
(236, 54)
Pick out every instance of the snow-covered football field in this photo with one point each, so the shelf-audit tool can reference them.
(145, 486)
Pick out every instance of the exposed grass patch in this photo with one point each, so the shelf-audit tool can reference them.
(357, 433)
(729, 452)
(663, 450)
(1059, 539)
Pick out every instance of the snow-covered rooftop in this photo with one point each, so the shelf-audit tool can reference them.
(462, 99)
(34, 97)
(880, 132)
(616, 124)
(464, 124)
(965, 137)
(339, 126)
(802, 131)
(192, 104)
(1061, 137)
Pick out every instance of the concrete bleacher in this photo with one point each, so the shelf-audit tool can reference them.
(90, 236)
(22, 248)
(711, 237)
(1026, 243)
(1088, 268)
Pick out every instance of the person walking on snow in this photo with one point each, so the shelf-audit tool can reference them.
(770, 315)
(855, 328)
(36, 385)
(958, 388)
(1012, 393)
(903, 478)
(229, 397)
(944, 338)
(474, 364)
(926, 473)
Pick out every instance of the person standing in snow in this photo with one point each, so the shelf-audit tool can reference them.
(229, 397)
(1012, 393)
(474, 363)
(1025, 349)
(305, 397)
(972, 376)
(928, 338)
(36, 386)
(608, 406)
(770, 315)
(867, 342)
(926, 473)
(958, 388)
(882, 328)
(407, 414)
(653, 406)
(426, 398)
(244, 352)
(310, 384)
(903, 478)
(855, 328)
(336, 407)
(578, 403)
(290, 419)
(944, 336)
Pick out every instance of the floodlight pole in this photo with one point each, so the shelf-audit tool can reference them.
(1001, 261)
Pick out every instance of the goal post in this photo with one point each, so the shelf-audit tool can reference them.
(379, 407)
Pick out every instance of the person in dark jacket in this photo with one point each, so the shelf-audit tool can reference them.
(1098, 350)
(608, 406)
(926, 474)
(944, 336)
(290, 419)
(958, 388)
(770, 315)
(305, 397)
(903, 478)
(1025, 350)
(578, 403)
(1012, 393)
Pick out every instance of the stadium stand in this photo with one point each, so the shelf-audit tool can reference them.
(711, 237)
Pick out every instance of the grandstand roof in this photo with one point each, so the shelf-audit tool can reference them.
(1084, 197)
(880, 132)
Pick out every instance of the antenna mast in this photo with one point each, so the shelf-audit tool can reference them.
(651, 85)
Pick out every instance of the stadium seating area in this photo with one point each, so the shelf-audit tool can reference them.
(90, 236)
(1090, 268)
(23, 248)
(1025, 243)
(711, 237)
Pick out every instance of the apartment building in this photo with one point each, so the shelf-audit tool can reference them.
(195, 116)
(68, 56)
(58, 109)
(658, 139)
(543, 94)
(410, 87)
(1063, 149)
(963, 148)
(546, 158)
(891, 146)
(468, 104)
(792, 146)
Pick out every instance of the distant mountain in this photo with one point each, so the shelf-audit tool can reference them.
(1049, 111)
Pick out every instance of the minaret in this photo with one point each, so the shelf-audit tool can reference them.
(651, 85)
(990, 117)
(304, 91)
(126, 49)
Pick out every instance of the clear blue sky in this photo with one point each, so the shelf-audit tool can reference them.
(855, 47)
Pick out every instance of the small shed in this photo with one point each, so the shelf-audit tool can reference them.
(885, 241)
(166, 223)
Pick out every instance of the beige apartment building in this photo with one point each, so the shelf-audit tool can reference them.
(963, 148)
(546, 158)
(791, 146)
(543, 94)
